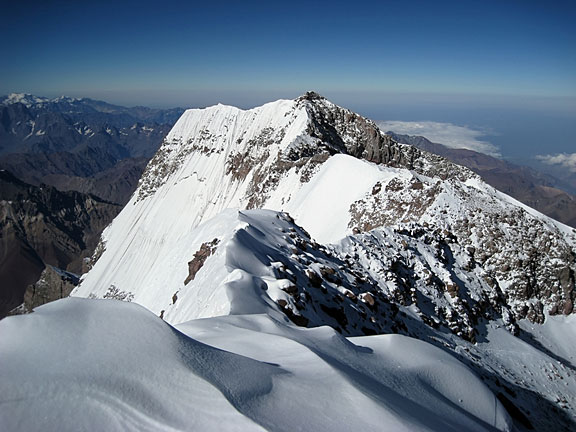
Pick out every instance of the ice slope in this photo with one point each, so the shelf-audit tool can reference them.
(80, 364)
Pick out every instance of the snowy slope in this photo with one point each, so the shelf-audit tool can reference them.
(185, 185)
(322, 205)
(408, 243)
(115, 366)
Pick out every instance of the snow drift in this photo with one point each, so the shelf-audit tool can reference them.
(80, 364)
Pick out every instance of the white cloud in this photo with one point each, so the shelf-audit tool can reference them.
(448, 134)
(566, 160)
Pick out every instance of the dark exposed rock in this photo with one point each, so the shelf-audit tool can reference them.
(115, 293)
(337, 313)
(41, 226)
(347, 132)
(200, 257)
(53, 284)
(367, 298)
(299, 320)
(314, 278)
(290, 289)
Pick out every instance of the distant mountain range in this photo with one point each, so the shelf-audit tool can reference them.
(73, 143)
(42, 227)
(69, 166)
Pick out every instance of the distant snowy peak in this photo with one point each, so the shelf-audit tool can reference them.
(30, 100)
(23, 98)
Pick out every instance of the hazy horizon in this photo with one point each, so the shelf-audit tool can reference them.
(506, 69)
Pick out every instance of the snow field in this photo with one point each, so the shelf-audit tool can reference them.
(118, 367)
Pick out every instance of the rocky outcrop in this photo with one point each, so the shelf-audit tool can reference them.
(343, 131)
(200, 257)
(492, 259)
(53, 284)
(537, 190)
(349, 133)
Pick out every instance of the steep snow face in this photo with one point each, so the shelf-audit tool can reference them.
(210, 161)
(213, 152)
(323, 204)
(117, 366)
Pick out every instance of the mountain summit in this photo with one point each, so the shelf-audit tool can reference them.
(337, 174)
(299, 230)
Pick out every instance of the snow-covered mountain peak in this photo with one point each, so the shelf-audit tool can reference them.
(23, 98)
(384, 238)
(30, 100)
(258, 147)
(338, 175)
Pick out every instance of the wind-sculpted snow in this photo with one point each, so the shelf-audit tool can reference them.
(84, 364)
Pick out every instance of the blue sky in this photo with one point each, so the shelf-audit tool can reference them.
(421, 58)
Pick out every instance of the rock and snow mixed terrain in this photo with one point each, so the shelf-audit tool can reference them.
(543, 192)
(364, 239)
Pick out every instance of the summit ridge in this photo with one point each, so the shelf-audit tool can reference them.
(306, 214)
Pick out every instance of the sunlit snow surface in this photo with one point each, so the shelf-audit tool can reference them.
(80, 364)
(125, 368)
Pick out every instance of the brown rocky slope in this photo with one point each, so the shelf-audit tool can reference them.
(42, 226)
